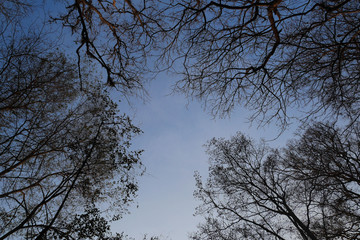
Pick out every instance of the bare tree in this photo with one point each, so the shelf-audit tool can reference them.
(118, 35)
(266, 55)
(327, 158)
(61, 149)
(309, 190)
(269, 56)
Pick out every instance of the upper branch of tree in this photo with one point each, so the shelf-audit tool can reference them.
(60, 148)
(118, 35)
(269, 56)
(308, 190)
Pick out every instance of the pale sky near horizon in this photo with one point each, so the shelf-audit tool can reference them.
(175, 132)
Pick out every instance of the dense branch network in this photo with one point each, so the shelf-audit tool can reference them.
(308, 190)
(118, 35)
(269, 56)
(64, 153)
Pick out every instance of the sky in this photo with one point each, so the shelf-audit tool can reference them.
(175, 131)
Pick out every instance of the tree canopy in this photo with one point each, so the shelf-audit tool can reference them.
(64, 148)
(269, 56)
(308, 190)
(118, 35)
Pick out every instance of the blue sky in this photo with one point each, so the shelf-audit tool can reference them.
(175, 131)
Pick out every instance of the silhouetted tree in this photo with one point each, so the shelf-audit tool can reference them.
(328, 159)
(90, 225)
(266, 55)
(61, 149)
(269, 55)
(309, 190)
(116, 34)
